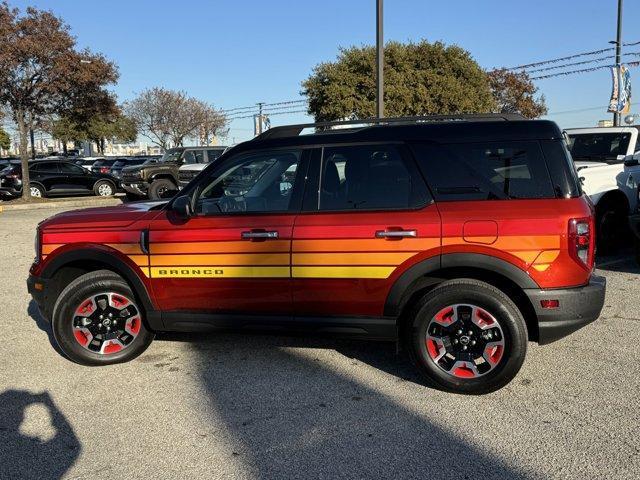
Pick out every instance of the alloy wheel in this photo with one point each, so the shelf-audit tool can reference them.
(465, 341)
(106, 323)
(35, 192)
(105, 190)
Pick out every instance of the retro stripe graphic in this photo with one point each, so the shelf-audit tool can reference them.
(311, 258)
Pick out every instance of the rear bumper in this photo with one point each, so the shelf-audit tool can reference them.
(578, 307)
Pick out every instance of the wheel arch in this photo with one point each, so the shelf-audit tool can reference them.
(162, 176)
(616, 196)
(424, 276)
(69, 265)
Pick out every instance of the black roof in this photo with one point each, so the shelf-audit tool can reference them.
(469, 130)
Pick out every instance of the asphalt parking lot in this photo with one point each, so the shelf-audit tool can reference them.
(260, 406)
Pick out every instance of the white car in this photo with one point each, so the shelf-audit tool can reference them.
(604, 160)
(188, 172)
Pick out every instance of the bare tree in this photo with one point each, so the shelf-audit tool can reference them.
(151, 110)
(213, 123)
(168, 117)
(42, 73)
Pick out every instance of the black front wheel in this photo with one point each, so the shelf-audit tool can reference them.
(467, 336)
(96, 320)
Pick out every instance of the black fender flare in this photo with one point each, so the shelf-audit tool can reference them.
(426, 273)
(118, 265)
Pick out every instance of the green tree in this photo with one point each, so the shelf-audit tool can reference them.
(42, 73)
(514, 92)
(420, 79)
(5, 140)
(116, 127)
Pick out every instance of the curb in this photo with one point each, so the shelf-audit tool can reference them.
(94, 202)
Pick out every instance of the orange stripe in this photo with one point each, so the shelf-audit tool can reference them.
(366, 245)
(140, 260)
(126, 248)
(513, 242)
(393, 259)
(50, 247)
(221, 260)
(220, 247)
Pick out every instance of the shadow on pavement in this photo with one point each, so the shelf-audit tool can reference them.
(291, 414)
(42, 324)
(25, 457)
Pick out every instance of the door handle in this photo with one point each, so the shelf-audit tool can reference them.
(396, 233)
(259, 235)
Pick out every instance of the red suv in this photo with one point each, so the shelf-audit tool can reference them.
(461, 237)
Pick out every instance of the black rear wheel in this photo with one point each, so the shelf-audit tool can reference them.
(467, 336)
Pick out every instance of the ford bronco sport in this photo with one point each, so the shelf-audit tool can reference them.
(462, 237)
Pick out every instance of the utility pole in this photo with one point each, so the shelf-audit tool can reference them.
(616, 115)
(380, 61)
(257, 120)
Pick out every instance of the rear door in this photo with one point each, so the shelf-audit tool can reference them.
(74, 178)
(233, 255)
(368, 218)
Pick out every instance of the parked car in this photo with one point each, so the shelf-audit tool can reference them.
(10, 179)
(462, 239)
(86, 162)
(120, 163)
(56, 178)
(189, 171)
(103, 165)
(156, 180)
(602, 158)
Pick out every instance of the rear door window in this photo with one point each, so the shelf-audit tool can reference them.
(369, 177)
(485, 170)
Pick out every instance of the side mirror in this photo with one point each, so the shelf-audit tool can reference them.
(181, 207)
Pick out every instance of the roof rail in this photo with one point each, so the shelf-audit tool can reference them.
(295, 130)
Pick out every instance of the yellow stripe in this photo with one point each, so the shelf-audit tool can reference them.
(342, 272)
(351, 258)
(547, 257)
(145, 271)
(50, 247)
(219, 272)
(222, 259)
(542, 268)
(527, 256)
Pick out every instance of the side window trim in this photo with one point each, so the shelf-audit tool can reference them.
(312, 196)
(295, 203)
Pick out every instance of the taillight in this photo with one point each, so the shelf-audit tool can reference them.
(14, 176)
(582, 241)
(104, 169)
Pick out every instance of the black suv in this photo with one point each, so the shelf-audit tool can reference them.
(55, 178)
(156, 179)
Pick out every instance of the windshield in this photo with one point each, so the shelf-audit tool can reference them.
(598, 146)
(172, 155)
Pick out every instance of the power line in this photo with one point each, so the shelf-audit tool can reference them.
(241, 110)
(560, 59)
(583, 70)
(585, 62)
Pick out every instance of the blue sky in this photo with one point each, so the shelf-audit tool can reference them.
(237, 53)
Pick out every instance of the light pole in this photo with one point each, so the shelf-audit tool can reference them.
(618, 42)
(380, 61)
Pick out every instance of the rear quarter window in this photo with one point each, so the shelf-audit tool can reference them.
(485, 170)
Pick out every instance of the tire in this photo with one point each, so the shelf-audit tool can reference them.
(37, 191)
(104, 188)
(611, 227)
(96, 295)
(500, 334)
(158, 187)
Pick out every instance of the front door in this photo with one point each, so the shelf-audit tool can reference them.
(74, 178)
(232, 255)
(369, 218)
